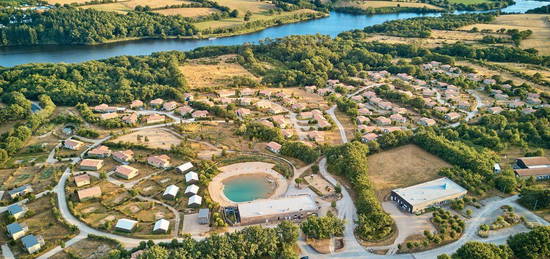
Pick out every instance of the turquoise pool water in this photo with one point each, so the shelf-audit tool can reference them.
(246, 189)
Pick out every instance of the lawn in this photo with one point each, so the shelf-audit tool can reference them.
(213, 72)
(187, 12)
(403, 166)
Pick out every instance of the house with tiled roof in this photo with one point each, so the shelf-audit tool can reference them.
(155, 118)
(72, 144)
(157, 103)
(136, 104)
(170, 106)
(160, 161)
(89, 193)
(124, 157)
(82, 179)
(91, 164)
(126, 172)
(99, 152)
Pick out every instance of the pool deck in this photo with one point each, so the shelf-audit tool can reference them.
(239, 169)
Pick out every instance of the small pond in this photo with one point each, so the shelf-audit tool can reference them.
(248, 188)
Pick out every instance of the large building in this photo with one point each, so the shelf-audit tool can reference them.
(537, 167)
(419, 197)
(273, 210)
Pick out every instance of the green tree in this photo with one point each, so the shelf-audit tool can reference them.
(479, 250)
(531, 245)
(323, 227)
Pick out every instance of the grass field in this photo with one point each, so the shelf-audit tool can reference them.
(158, 138)
(229, 22)
(538, 23)
(213, 72)
(401, 167)
(247, 5)
(124, 6)
(380, 4)
(187, 12)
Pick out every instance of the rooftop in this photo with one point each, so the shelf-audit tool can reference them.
(14, 228)
(535, 161)
(29, 241)
(161, 224)
(428, 191)
(127, 224)
(276, 206)
(15, 208)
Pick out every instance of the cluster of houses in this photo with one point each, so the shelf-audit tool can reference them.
(19, 231)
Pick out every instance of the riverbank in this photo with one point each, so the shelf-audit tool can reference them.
(229, 172)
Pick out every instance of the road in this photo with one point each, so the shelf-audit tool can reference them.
(338, 124)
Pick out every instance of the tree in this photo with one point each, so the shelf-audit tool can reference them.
(247, 16)
(288, 232)
(479, 250)
(323, 227)
(531, 245)
(3, 156)
(155, 252)
(506, 183)
(234, 13)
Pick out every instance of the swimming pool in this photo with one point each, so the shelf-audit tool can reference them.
(247, 188)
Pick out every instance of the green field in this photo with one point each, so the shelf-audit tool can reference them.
(468, 2)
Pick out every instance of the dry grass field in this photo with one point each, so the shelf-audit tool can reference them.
(538, 23)
(124, 6)
(213, 72)
(527, 68)
(438, 38)
(158, 138)
(247, 5)
(89, 248)
(187, 12)
(379, 4)
(401, 167)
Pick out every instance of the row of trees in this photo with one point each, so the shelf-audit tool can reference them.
(251, 242)
(497, 54)
(323, 227)
(300, 151)
(350, 160)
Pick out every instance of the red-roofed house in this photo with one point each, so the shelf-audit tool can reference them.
(161, 161)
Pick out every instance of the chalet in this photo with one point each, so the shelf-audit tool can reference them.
(427, 92)
(362, 119)
(184, 110)
(225, 100)
(89, 193)
(364, 111)
(297, 107)
(16, 210)
(527, 110)
(365, 128)
(160, 161)
(276, 109)
(399, 110)
(170, 106)
(184, 167)
(104, 108)
(191, 190)
(72, 144)
(125, 225)
(265, 92)
(333, 82)
(91, 164)
(99, 152)
(161, 226)
(369, 137)
(533, 101)
(19, 191)
(382, 121)
(310, 88)
(108, 116)
(155, 118)
(82, 179)
(247, 92)
(191, 177)
(124, 157)
(398, 118)
(246, 101)
(274, 147)
(281, 95)
(281, 121)
(464, 105)
(489, 81)
(157, 103)
(516, 104)
(171, 192)
(16, 230)
(385, 105)
(287, 133)
(32, 243)
(130, 118)
(501, 97)
(426, 122)
(200, 114)
(495, 110)
(441, 109)
(305, 115)
(369, 94)
(357, 98)
(390, 129)
(452, 116)
(323, 124)
(126, 172)
(136, 104)
(194, 201)
(225, 93)
(316, 136)
(267, 123)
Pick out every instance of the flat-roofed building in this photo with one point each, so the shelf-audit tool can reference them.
(204, 216)
(20, 191)
(32, 243)
(171, 192)
(273, 210)
(125, 225)
(16, 210)
(191, 190)
(82, 179)
(89, 193)
(16, 230)
(184, 167)
(194, 201)
(191, 177)
(161, 226)
(91, 164)
(419, 197)
(125, 171)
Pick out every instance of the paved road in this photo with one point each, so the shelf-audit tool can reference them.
(338, 124)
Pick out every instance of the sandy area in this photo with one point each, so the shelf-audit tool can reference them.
(250, 168)
(157, 138)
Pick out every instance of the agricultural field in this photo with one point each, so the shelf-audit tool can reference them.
(380, 4)
(124, 6)
(403, 166)
(152, 138)
(527, 68)
(40, 178)
(247, 5)
(538, 23)
(213, 72)
(437, 38)
(187, 12)
(230, 22)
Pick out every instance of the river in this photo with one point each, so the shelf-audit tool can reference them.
(331, 25)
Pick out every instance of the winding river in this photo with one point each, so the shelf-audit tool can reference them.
(331, 25)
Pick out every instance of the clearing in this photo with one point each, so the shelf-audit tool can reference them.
(401, 167)
(213, 72)
(247, 5)
(538, 23)
(187, 12)
(91, 248)
(156, 138)
(381, 4)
